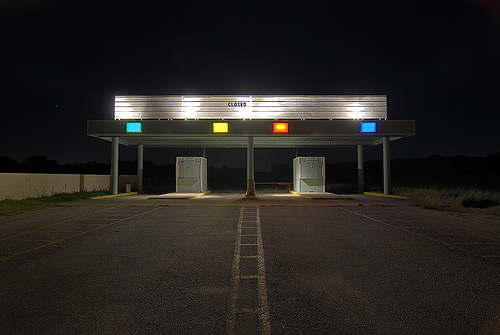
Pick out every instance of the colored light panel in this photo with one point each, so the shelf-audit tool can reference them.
(280, 127)
(220, 127)
(368, 127)
(134, 127)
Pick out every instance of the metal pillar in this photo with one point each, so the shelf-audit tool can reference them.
(250, 169)
(386, 143)
(140, 167)
(204, 152)
(361, 173)
(114, 165)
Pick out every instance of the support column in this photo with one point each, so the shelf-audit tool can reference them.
(361, 173)
(386, 143)
(204, 152)
(114, 165)
(250, 169)
(140, 167)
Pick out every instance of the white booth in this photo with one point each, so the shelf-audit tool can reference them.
(309, 174)
(191, 174)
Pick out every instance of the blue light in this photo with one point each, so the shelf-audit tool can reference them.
(134, 127)
(368, 127)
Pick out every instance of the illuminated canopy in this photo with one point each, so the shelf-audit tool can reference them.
(227, 121)
(234, 133)
(250, 121)
(244, 107)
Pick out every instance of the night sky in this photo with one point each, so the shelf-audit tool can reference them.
(63, 61)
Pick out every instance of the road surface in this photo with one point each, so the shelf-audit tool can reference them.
(224, 265)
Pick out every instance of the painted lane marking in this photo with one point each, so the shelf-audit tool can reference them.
(59, 222)
(112, 196)
(464, 231)
(28, 240)
(235, 279)
(69, 237)
(256, 281)
(78, 224)
(431, 236)
(62, 231)
(264, 315)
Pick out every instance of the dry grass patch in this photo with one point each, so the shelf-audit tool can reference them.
(449, 198)
(13, 207)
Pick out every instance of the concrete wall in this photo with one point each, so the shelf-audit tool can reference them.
(94, 182)
(18, 186)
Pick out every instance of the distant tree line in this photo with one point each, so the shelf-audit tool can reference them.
(440, 171)
(481, 172)
(41, 164)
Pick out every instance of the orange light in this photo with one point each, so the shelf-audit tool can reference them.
(280, 127)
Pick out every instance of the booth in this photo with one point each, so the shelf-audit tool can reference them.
(309, 174)
(191, 174)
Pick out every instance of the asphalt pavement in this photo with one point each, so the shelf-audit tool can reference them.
(220, 264)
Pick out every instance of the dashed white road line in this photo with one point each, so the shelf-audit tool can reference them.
(264, 315)
(250, 217)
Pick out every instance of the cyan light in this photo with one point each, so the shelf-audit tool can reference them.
(368, 127)
(134, 127)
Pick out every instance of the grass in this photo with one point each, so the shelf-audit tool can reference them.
(449, 198)
(13, 207)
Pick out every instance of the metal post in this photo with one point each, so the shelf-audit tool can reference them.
(114, 165)
(140, 166)
(361, 174)
(250, 169)
(387, 164)
(204, 152)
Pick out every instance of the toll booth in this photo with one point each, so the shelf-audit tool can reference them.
(191, 174)
(309, 174)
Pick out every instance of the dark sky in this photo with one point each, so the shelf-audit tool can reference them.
(62, 62)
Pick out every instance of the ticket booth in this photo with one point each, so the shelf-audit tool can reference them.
(309, 174)
(191, 174)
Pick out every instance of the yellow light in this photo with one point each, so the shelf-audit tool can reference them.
(220, 127)
(280, 127)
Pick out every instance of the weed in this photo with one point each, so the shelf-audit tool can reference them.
(12, 207)
(452, 198)
(424, 197)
